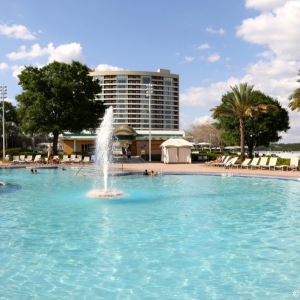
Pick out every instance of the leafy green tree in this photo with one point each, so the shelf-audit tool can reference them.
(295, 97)
(241, 102)
(58, 97)
(261, 129)
(11, 121)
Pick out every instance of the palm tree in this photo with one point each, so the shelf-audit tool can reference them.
(295, 104)
(242, 103)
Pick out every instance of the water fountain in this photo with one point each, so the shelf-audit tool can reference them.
(103, 155)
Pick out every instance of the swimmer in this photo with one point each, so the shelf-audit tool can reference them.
(152, 173)
(146, 173)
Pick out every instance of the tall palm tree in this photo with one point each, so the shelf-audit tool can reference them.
(240, 102)
(295, 104)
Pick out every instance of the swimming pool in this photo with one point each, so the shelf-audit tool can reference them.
(167, 237)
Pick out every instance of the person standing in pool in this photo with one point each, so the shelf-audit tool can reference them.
(48, 154)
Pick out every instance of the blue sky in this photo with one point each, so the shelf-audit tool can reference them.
(212, 45)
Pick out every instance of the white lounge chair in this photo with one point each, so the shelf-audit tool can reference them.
(293, 164)
(16, 159)
(254, 162)
(38, 158)
(86, 160)
(22, 159)
(76, 159)
(65, 159)
(262, 162)
(243, 164)
(28, 159)
(223, 162)
(231, 162)
(72, 158)
(271, 164)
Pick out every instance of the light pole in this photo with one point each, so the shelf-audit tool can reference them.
(149, 91)
(3, 93)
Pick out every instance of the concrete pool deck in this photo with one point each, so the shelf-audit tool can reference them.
(137, 165)
(199, 168)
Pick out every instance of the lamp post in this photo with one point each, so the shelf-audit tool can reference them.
(3, 93)
(149, 91)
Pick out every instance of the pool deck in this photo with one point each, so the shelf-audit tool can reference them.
(200, 168)
(137, 165)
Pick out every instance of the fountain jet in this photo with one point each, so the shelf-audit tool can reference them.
(103, 156)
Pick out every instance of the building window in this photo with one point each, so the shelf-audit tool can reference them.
(121, 78)
(146, 79)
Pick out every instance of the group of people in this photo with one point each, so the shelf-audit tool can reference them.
(152, 173)
(126, 153)
(33, 171)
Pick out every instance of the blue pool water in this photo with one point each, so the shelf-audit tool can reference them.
(168, 237)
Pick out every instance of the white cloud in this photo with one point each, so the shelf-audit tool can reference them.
(279, 30)
(189, 58)
(203, 120)
(67, 53)
(16, 32)
(63, 53)
(219, 31)
(17, 70)
(265, 4)
(213, 57)
(35, 51)
(204, 46)
(266, 54)
(276, 78)
(207, 96)
(3, 66)
(104, 67)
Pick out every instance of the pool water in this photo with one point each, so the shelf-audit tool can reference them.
(167, 237)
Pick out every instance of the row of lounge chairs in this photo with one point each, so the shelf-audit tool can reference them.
(21, 159)
(78, 159)
(260, 163)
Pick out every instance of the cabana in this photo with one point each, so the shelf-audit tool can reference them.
(176, 151)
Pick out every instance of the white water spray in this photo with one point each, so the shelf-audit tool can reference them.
(103, 155)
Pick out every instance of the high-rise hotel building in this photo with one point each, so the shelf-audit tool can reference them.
(126, 92)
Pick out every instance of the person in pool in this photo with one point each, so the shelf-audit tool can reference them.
(153, 173)
(145, 172)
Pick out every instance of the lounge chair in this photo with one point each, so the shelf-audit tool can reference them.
(16, 159)
(293, 164)
(28, 159)
(65, 159)
(72, 158)
(56, 159)
(76, 159)
(243, 164)
(254, 162)
(272, 164)
(22, 159)
(38, 158)
(231, 162)
(86, 160)
(222, 163)
(262, 162)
